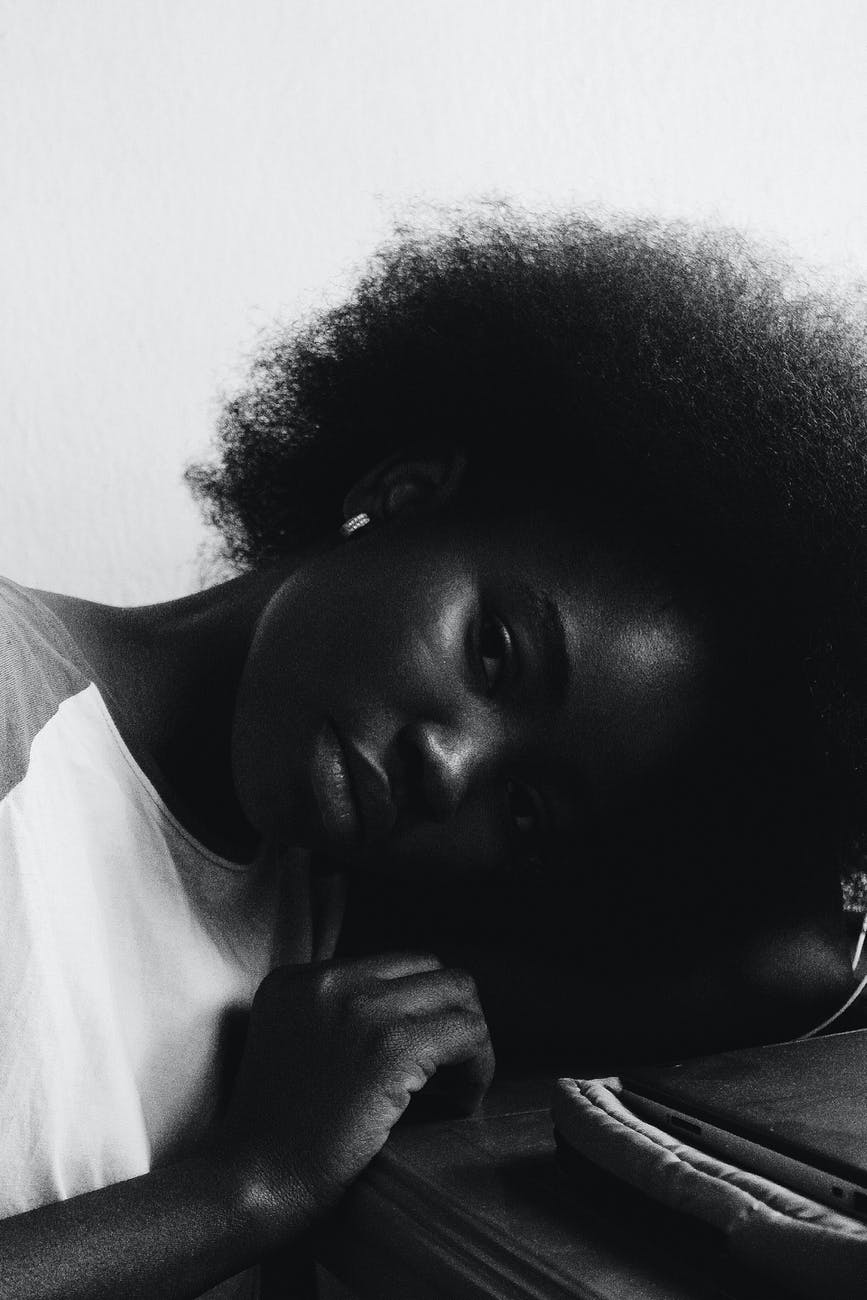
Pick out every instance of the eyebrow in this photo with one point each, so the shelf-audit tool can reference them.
(546, 629)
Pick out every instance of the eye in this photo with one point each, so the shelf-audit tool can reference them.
(493, 650)
(523, 809)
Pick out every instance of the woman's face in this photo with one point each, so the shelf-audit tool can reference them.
(436, 697)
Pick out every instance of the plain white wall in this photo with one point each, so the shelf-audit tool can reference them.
(176, 175)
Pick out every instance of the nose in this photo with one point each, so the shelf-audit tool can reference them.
(444, 762)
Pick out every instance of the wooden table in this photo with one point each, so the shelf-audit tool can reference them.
(485, 1207)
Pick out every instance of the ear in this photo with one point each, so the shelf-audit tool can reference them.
(412, 479)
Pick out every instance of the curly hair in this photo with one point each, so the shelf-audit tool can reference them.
(675, 372)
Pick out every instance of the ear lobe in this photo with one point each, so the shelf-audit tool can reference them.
(408, 480)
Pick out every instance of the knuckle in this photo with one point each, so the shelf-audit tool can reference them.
(430, 958)
(326, 979)
(358, 1005)
(464, 982)
(393, 1040)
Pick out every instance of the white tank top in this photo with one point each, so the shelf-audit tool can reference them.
(125, 944)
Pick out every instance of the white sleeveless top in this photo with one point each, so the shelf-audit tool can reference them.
(125, 945)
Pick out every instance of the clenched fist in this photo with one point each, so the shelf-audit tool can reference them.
(333, 1054)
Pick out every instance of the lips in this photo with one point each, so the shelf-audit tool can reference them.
(332, 790)
(372, 790)
(351, 793)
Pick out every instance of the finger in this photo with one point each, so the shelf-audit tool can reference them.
(427, 1021)
(388, 966)
(459, 1047)
(422, 993)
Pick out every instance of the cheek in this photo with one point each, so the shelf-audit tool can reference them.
(654, 696)
(265, 738)
(361, 637)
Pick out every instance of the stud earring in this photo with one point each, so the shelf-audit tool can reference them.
(361, 520)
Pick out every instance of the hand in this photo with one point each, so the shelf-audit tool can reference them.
(333, 1054)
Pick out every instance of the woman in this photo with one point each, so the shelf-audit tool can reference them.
(570, 695)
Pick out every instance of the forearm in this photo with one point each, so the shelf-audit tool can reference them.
(170, 1234)
(299, 1129)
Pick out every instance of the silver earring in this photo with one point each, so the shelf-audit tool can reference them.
(361, 520)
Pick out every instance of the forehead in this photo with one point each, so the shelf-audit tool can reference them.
(628, 589)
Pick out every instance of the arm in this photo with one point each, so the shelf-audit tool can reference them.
(172, 1233)
(333, 1055)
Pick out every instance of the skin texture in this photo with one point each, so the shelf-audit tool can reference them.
(659, 830)
(683, 376)
(645, 847)
(300, 1127)
(409, 639)
(417, 642)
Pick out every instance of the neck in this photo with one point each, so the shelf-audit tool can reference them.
(169, 673)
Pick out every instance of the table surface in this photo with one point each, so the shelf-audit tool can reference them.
(460, 1209)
